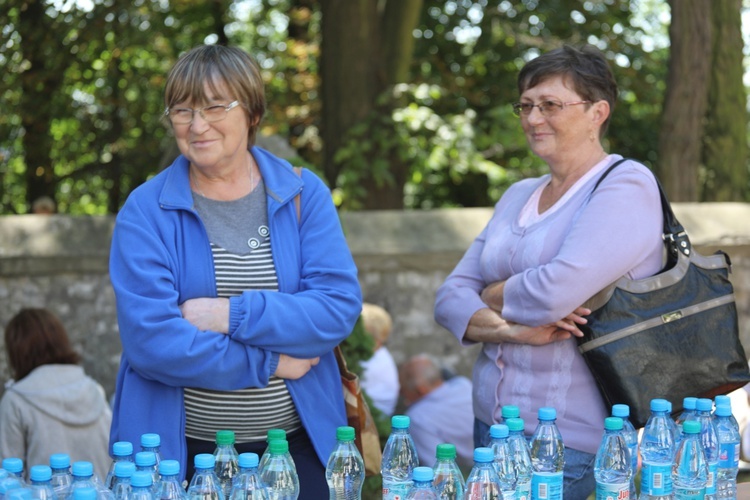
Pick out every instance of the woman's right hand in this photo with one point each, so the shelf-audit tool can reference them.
(294, 368)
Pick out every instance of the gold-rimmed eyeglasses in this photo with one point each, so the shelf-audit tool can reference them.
(214, 113)
(546, 108)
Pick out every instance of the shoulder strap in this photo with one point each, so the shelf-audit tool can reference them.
(297, 200)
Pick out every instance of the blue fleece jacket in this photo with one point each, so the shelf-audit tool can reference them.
(161, 257)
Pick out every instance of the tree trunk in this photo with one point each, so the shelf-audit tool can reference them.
(725, 146)
(686, 99)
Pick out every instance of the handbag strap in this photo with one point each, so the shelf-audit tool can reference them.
(674, 235)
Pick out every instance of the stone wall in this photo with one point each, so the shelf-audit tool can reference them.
(60, 262)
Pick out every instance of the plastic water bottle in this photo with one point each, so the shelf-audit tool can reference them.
(204, 485)
(142, 485)
(40, 477)
(152, 442)
(631, 439)
(483, 483)
(448, 480)
(247, 485)
(279, 473)
(169, 486)
(506, 471)
(729, 453)
(61, 477)
(121, 482)
(710, 440)
(271, 434)
(612, 467)
(688, 413)
(226, 467)
(422, 488)
(146, 461)
(345, 472)
(690, 470)
(20, 494)
(14, 466)
(87, 493)
(121, 451)
(510, 411)
(723, 399)
(657, 452)
(83, 477)
(547, 457)
(521, 454)
(8, 484)
(399, 459)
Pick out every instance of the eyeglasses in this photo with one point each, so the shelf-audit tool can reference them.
(215, 113)
(546, 108)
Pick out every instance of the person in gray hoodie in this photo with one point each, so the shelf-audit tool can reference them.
(51, 405)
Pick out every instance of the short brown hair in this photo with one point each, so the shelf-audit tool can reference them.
(216, 65)
(36, 337)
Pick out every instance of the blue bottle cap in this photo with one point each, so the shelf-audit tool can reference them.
(659, 405)
(248, 460)
(498, 431)
(723, 410)
(400, 422)
(511, 411)
(547, 413)
(40, 473)
(422, 474)
(169, 467)
(13, 464)
(689, 403)
(691, 427)
(82, 468)
(723, 399)
(125, 468)
(204, 461)
(150, 440)
(515, 424)
(613, 423)
(19, 494)
(141, 479)
(122, 449)
(704, 404)
(484, 455)
(620, 410)
(145, 459)
(59, 461)
(86, 493)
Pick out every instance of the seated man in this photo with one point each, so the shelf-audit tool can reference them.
(440, 410)
(380, 374)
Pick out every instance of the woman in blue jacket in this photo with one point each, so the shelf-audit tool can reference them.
(231, 294)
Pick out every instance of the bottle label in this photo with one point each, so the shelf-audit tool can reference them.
(612, 491)
(656, 479)
(547, 485)
(396, 490)
(510, 495)
(689, 493)
(523, 490)
(729, 455)
(713, 468)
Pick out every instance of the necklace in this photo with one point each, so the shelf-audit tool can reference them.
(198, 190)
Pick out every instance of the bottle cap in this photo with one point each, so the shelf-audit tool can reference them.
(511, 411)
(19, 494)
(691, 427)
(723, 410)
(622, 411)
(704, 404)
(515, 424)
(400, 422)
(145, 459)
(248, 460)
(278, 446)
(723, 399)
(613, 423)
(484, 455)
(40, 473)
(689, 403)
(275, 434)
(204, 461)
(141, 479)
(498, 431)
(13, 465)
(547, 413)
(224, 437)
(345, 433)
(169, 467)
(82, 468)
(124, 468)
(122, 449)
(659, 405)
(86, 493)
(422, 474)
(150, 440)
(445, 450)
(59, 461)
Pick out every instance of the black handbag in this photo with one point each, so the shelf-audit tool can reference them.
(671, 335)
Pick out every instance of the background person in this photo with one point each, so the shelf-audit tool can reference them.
(549, 247)
(379, 373)
(230, 300)
(51, 406)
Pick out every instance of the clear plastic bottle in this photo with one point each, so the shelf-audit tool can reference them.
(142, 485)
(399, 459)
(345, 471)
(61, 476)
(521, 454)
(690, 470)
(448, 480)
(483, 483)
(84, 477)
(121, 451)
(729, 453)
(547, 457)
(146, 461)
(8, 483)
(247, 485)
(152, 442)
(271, 434)
(20, 494)
(506, 470)
(688, 412)
(226, 467)
(14, 466)
(422, 488)
(40, 483)
(657, 452)
(88, 493)
(169, 486)
(723, 399)
(631, 439)
(204, 485)
(709, 438)
(612, 466)
(279, 473)
(124, 470)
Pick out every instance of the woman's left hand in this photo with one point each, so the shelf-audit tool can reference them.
(207, 313)
(492, 295)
